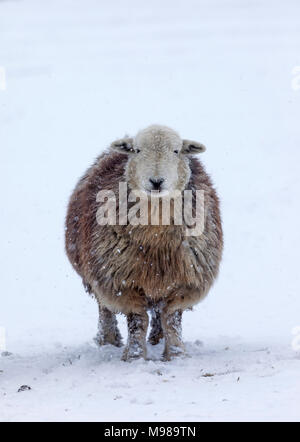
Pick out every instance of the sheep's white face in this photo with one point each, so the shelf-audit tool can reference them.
(158, 160)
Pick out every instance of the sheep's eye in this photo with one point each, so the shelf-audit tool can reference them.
(137, 150)
(175, 151)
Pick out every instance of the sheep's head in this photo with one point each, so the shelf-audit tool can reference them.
(157, 160)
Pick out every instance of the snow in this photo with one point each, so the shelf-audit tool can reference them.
(75, 76)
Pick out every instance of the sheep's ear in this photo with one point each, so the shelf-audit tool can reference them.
(124, 145)
(192, 147)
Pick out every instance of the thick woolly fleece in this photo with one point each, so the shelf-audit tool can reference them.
(130, 268)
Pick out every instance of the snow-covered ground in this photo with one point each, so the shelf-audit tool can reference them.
(74, 76)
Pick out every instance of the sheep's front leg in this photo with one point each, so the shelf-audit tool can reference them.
(137, 330)
(108, 331)
(171, 323)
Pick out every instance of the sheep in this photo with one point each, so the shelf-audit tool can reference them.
(133, 269)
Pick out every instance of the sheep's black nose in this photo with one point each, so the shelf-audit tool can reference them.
(156, 183)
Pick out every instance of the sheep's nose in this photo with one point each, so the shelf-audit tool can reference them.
(156, 183)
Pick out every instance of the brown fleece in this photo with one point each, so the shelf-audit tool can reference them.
(130, 268)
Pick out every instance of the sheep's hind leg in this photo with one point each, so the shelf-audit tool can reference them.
(156, 333)
(137, 331)
(108, 331)
(171, 323)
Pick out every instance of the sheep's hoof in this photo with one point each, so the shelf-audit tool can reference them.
(112, 339)
(173, 352)
(132, 353)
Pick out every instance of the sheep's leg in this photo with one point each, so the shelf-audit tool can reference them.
(108, 331)
(137, 331)
(156, 333)
(171, 323)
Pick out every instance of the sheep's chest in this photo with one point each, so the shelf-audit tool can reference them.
(157, 261)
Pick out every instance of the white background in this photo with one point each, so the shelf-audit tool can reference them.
(80, 74)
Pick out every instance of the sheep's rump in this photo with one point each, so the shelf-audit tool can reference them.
(126, 266)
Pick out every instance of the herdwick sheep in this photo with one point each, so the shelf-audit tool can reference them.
(133, 268)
